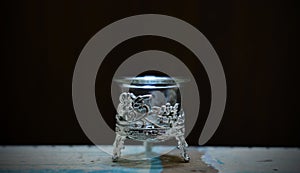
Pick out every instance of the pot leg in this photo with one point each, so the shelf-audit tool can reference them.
(118, 145)
(182, 146)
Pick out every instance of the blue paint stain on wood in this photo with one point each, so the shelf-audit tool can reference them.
(220, 162)
(158, 165)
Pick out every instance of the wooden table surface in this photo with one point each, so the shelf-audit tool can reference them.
(75, 159)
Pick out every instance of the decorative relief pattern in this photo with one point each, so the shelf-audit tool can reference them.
(138, 119)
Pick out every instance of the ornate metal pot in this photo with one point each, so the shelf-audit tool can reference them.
(150, 110)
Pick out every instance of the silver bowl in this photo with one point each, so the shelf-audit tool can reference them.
(150, 111)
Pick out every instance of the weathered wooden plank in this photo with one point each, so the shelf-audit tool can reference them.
(90, 159)
(203, 159)
(253, 160)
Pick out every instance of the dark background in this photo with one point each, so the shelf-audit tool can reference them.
(257, 42)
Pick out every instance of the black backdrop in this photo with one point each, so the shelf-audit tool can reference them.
(256, 41)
